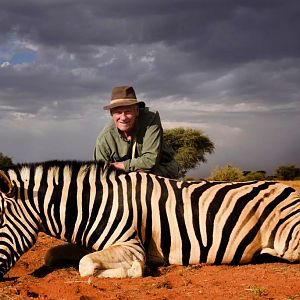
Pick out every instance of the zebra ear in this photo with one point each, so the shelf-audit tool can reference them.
(6, 186)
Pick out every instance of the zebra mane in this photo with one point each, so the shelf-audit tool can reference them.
(106, 169)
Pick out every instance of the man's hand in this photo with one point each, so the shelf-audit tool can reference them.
(118, 165)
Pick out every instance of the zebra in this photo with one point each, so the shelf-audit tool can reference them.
(123, 221)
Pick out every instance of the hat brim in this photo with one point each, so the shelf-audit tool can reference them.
(141, 104)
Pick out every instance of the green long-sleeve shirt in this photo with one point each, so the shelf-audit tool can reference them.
(151, 153)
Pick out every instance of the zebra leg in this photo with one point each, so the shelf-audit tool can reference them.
(63, 254)
(120, 260)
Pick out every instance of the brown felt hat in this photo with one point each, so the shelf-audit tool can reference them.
(123, 96)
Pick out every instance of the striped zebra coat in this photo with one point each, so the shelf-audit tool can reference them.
(125, 220)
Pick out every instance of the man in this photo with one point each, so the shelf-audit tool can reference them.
(133, 140)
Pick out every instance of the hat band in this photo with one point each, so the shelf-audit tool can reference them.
(122, 100)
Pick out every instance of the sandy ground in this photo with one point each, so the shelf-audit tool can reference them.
(29, 279)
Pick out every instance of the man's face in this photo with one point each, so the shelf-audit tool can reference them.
(125, 116)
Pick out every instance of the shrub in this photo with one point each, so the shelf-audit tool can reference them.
(227, 173)
(288, 172)
(257, 175)
(5, 160)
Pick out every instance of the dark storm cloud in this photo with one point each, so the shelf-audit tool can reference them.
(187, 37)
(186, 41)
(227, 31)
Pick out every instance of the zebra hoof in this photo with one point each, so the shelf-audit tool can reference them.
(86, 267)
(136, 270)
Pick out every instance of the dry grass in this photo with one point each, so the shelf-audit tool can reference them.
(293, 183)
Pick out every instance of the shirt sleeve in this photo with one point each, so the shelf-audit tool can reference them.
(151, 147)
(101, 150)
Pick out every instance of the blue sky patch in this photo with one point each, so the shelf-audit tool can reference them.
(23, 57)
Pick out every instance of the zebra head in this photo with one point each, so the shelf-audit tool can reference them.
(18, 230)
(6, 186)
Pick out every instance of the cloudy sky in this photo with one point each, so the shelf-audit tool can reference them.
(230, 68)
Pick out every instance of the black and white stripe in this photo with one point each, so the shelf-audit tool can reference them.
(177, 222)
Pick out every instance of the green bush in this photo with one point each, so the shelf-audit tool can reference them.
(5, 161)
(227, 173)
(288, 172)
(255, 175)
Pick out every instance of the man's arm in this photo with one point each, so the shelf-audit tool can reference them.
(101, 150)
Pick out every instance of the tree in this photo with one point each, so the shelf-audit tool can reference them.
(5, 161)
(288, 172)
(190, 146)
